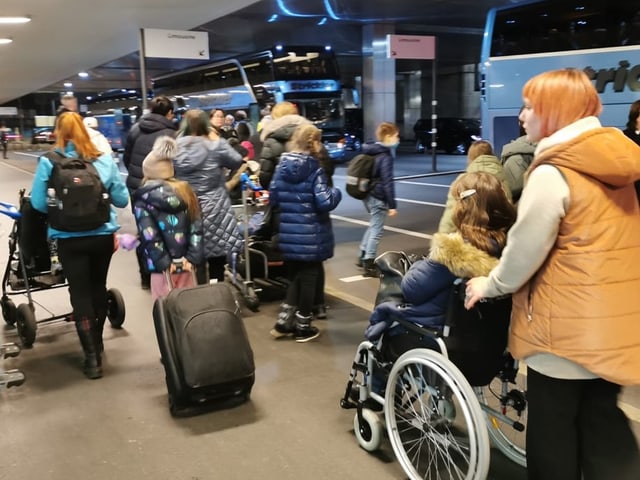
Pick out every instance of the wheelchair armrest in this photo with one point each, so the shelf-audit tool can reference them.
(419, 329)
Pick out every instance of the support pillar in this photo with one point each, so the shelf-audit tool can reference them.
(378, 79)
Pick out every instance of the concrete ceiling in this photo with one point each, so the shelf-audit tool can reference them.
(69, 36)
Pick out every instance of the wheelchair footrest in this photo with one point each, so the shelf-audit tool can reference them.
(9, 350)
(11, 378)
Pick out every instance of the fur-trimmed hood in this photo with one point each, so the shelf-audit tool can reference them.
(282, 128)
(461, 258)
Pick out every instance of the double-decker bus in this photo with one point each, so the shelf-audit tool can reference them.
(306, 76)
(599, 37)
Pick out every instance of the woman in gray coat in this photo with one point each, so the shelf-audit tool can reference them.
(201, 162)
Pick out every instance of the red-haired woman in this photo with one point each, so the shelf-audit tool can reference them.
(570, 259)
(85, 255)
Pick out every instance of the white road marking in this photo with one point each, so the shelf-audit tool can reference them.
(420, 202)
(386, 227)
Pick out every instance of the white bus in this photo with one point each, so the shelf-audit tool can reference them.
(306, 76)
(600, 37)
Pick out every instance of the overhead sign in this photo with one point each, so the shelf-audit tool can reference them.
(183, 44)
(416, 47)
(8, 110)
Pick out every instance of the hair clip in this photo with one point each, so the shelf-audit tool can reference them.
(467, 193)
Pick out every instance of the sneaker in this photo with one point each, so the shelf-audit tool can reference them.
(280, 330)
(319, 312)
(306, 333)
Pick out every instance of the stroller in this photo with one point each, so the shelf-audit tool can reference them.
(259, 272)
(443, 392)
(29, 270)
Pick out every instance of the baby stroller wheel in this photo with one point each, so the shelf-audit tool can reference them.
(26, 324)
(369, 431)
(115, 308)
(8, 310)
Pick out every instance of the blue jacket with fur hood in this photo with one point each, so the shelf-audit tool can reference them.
(426, 286)
(299, 187)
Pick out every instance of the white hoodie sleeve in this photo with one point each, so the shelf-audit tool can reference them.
(544, 202)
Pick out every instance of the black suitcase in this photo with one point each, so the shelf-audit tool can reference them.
(206, 354)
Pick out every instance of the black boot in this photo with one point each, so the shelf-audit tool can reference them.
(360, 261)
(285, 325)
(92, 367)
(370, 269)
(304, 330)
(97, 332)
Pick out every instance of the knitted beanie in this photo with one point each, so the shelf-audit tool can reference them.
(158, 164)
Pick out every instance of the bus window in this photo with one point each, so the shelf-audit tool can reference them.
(600, 38)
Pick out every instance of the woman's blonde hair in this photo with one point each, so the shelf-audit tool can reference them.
(69, 128)
(187, 195)
(283, 108)
(560, 97)
(306, 139)
(482, 213)
(477, 148)
(195, 122)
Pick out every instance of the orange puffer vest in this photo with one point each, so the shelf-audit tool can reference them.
(583, 304)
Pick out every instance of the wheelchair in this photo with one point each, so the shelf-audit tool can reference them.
(443, 393)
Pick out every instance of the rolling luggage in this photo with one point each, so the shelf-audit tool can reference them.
(206, 354)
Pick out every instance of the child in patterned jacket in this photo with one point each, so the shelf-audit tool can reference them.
(167, 215)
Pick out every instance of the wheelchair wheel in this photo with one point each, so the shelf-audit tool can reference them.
(116, 310)
(26, 324)
(506, 415)
(369, 431)
(434, 420)
(8, 310)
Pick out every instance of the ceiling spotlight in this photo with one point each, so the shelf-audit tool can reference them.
(68, 84)
(83, 74)
(7, 20)
(4, 41)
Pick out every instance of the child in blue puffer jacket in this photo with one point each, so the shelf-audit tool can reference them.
(168, 220)
(301, 191)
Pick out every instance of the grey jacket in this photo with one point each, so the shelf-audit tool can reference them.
(200, 162)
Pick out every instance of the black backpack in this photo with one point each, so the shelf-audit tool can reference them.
(360, 176)
(77, 199)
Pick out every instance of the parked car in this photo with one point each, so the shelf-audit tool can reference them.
(334, 143)
(43, 135)
(454, 135)
(353, 129)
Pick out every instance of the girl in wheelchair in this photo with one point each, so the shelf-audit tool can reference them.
(430, 364)
(482, 215)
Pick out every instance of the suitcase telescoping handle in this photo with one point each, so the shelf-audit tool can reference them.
(178, 263)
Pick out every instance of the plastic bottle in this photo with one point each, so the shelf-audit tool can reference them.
(51, 197)
(56, 266)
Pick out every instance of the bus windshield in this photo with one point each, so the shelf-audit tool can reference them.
(600, 38)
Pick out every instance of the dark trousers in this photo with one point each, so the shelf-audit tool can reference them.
(303, 277)
(145, 276)
(318, 298)
(85, 262)
(4, 150)
(575, 431)
(212, 268)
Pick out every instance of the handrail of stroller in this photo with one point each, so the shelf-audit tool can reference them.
(246, 181)
(10, 210)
